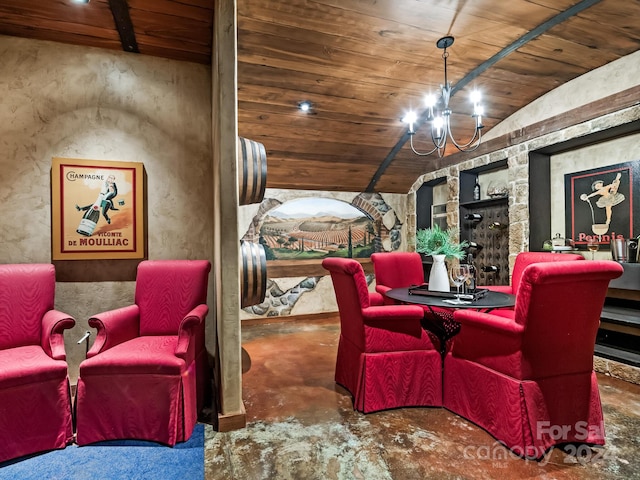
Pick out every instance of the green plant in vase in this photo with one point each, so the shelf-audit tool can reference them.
(435, 241)
(441, 245)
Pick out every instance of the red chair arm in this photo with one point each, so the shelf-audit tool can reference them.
(114, 327)
(382, 289)
(393, 319)
(375, 299)
(487, 321)
(186, 332)
(54, 323)
(485, 337)
(505, 313)
(396, 313)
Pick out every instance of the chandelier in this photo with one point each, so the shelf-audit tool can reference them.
(440, 122)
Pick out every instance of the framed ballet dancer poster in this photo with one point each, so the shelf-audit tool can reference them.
(96, 209)
(603, 204)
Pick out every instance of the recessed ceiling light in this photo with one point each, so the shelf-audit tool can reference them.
(80, 1)
(305, 106)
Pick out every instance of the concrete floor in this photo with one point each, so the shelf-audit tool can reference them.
(301, 425)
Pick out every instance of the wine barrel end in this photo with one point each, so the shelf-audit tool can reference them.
(253, 274)
(252, 171)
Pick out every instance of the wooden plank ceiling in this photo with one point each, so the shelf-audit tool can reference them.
(362, 64)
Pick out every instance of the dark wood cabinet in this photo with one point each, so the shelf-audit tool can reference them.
(491, 235)
(485, 223)
(424, 202)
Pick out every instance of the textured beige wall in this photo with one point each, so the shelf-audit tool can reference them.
(611, 78)
(620, 150)
(59, 100)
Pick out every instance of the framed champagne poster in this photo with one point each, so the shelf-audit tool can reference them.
(96, 209)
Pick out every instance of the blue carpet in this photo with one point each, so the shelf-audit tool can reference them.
(114, 460)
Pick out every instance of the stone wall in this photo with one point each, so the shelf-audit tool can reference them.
(614, 77)
(517, 157)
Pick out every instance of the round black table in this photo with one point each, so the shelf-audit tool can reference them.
(490, 301)
(441, 322)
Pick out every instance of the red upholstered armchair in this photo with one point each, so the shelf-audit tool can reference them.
(396, 270)
(35, 400)
(385, 359)
(529, 380)
(403, 269)
(148, 364)
(523, 260)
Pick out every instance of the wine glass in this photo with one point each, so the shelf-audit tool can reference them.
(600, 228)
(593, 245)
(459, 274)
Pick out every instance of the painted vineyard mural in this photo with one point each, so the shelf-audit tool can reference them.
(312, 228)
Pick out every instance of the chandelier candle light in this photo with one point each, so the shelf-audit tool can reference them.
(440, 122)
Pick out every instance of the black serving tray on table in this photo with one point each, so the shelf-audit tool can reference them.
(424, 290)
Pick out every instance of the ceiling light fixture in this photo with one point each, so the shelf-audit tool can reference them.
(80, 1)
(440, 124)
(305, 106)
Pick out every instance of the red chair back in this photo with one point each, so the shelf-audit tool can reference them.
(524, 259)
(398, 269)
(559, 304)
(27, 292)
(167, 290)
(352, 295)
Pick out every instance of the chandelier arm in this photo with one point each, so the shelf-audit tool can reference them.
(462, 146)
(420, 153)
(469, 146)
(440, 144)
(478, 142)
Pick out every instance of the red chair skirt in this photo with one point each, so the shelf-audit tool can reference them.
(35, 417)
(529, 417)
(380, 381)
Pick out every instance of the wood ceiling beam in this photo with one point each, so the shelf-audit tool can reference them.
(523, 40)
(120, 11)
(526, 38)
